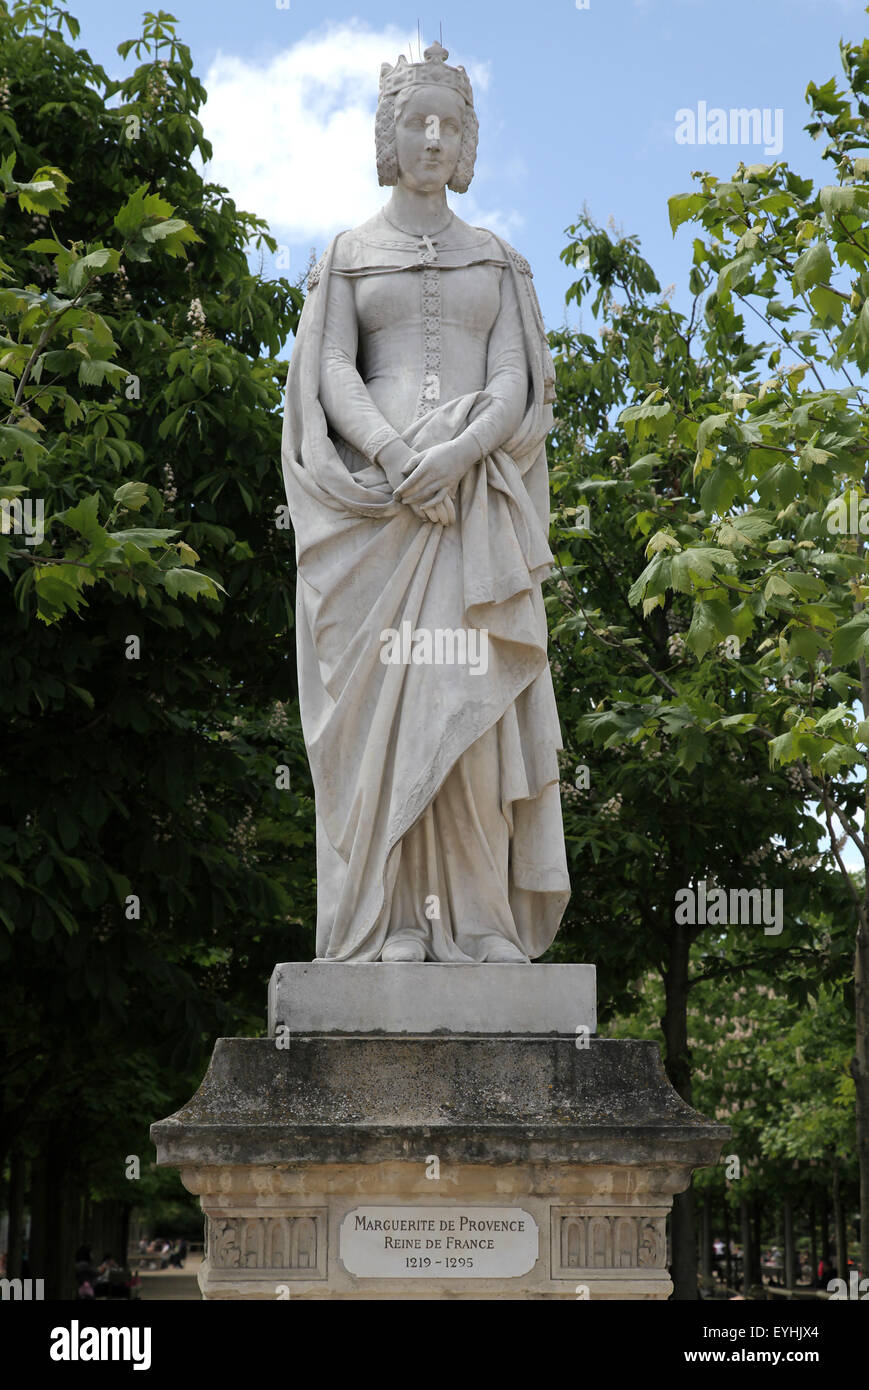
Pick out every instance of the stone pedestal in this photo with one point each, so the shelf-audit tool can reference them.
(407, 1000)
(411, 1164)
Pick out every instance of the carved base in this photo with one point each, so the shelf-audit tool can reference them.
(271, 1231)
(433, 1168)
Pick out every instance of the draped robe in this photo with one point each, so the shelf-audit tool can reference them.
(437, 800)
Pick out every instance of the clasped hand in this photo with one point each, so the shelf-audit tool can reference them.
(431, 479)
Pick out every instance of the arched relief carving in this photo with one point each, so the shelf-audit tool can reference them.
(292, 1244)
(601, 1239)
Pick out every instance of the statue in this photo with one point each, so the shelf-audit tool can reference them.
(418, 402)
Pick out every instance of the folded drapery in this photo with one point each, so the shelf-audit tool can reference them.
(422, 770)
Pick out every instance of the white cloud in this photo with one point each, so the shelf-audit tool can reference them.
(293, 138)
(506, 224)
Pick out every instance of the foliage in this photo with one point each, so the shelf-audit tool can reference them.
(153, 862)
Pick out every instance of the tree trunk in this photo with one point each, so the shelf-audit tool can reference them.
(124, 1238)
(16, 1214)
(706, 1242)
(54, 1207)
(728, 1258)
(860, 1072)
(747, 1257)
(839, 1225)
(757, 1242)
(37, 1250)
(105, 1227)
(683, 1225)
(789, 1254)
(826, 1251)
(860, 1060)
(813, 1240)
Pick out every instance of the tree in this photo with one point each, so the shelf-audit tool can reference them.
(777, 544)
(772, 1063)
(157, 826)
(654, 806)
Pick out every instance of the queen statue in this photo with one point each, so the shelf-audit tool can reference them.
(418, 402)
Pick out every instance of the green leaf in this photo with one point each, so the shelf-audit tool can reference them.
(139, 208)
(851, 641)
(683, 206)
(814, 267)
(781, 749)
(697, 564)
(190, 582)
(804, 642)
(836, 199)
(710, 623)
(662, 540)
(13, 439)
(808, 586)
(713, 424)
(654, 579)
(827, 305)
(735, 271)
(720, 489)
(133, 496)
(146, 536)
(84, 516)
(97, 261)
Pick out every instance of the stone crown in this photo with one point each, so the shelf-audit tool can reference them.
(434, 70)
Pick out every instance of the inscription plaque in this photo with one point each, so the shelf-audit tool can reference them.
(428, 1242)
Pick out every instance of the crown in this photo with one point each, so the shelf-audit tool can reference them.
(434, 70)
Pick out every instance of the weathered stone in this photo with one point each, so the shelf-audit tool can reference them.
(463, 1000)
(282, 1144)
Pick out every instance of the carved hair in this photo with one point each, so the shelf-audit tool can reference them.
(387, 153)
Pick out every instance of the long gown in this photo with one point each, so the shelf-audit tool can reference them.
(438, 811)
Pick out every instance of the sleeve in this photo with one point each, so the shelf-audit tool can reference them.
(507, 381)
(349, 408)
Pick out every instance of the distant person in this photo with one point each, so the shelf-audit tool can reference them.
(85, 1273)
(179, 1254)
(113, 1280)
(826, 1272)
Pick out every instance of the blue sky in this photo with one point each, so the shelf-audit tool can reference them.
(576, 105)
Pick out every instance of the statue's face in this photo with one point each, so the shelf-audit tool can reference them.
(428, 137)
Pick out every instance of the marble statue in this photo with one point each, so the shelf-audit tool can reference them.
(418, 402)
